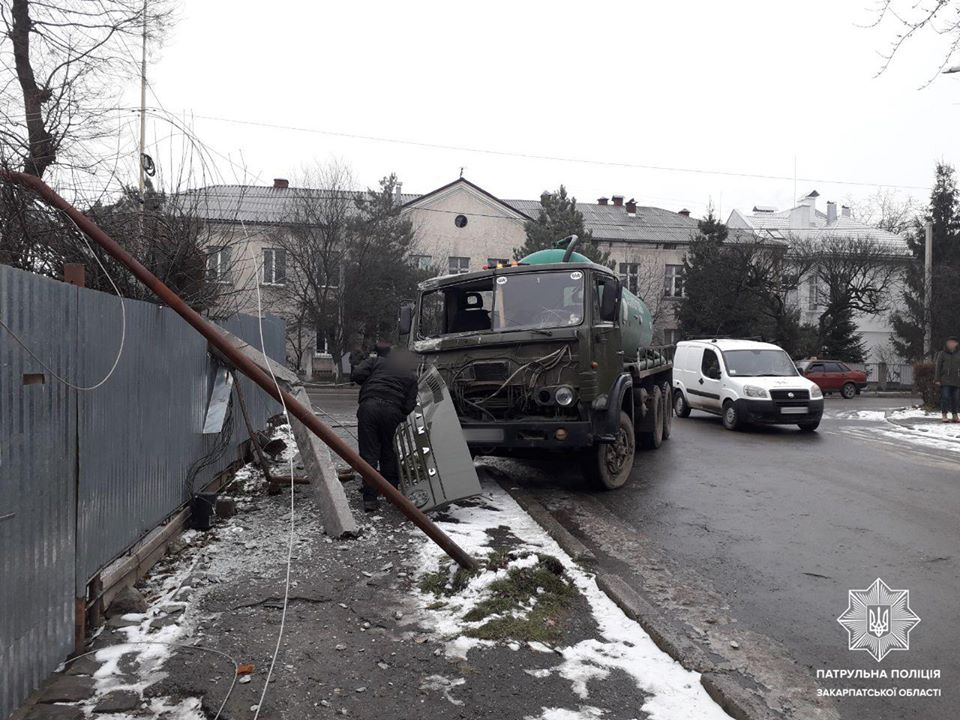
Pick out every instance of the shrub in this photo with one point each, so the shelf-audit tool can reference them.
(923, 383)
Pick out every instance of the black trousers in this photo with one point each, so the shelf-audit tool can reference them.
(377, 421)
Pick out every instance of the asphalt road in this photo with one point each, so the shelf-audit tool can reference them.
(752, 540)
(772, 527)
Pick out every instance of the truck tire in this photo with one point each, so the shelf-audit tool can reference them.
(667, 410)
(608, 466)
(680, 405)
(653, 438)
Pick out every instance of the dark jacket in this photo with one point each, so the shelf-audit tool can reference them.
(948, 368)
(389, 378)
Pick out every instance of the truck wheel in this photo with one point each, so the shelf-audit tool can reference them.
(653, 438)
(608, 466)
(848, 391)
(731, 418)
(667, 411)
(680, 405)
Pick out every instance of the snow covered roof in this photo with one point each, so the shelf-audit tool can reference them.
(801, 224)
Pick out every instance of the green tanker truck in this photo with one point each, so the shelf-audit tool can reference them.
(550, 354)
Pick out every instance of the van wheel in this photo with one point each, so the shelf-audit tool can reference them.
(809, 426)
(608, 466)
(848, 391)
(653, 438)
(731, 418)
(667, 411)
(680, 406)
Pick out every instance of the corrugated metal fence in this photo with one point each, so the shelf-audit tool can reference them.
(84, 475)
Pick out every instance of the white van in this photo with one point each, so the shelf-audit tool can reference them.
(743, 382)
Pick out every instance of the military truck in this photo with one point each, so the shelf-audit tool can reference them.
(548, 354)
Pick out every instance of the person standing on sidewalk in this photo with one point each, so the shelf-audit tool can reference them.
(947, 376)
(388, 393)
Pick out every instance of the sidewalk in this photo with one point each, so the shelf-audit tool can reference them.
(377, 627)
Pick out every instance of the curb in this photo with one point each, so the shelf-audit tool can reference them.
(721, 685)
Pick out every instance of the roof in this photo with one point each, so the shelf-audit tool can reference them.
(612, 223)
(257, 205)
(785, 225)
(275, 206)
(724, 344)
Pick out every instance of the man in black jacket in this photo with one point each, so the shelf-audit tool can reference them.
(947, 376)
(388, 393)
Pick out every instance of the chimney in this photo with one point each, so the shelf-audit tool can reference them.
(632, 206)
(398, 194)
(618, 200)
(280, 183)
(684, 212)
(602, 201)
(831, 212)
(845, 211)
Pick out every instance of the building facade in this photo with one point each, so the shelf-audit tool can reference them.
(806, 222)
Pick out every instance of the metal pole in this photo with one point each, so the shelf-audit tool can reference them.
(143, 113)
(246, 366)
(928, 290)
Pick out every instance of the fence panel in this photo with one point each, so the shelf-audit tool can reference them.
(37, 481)
(84, 475)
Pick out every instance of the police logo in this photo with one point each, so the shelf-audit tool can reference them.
(879, 619)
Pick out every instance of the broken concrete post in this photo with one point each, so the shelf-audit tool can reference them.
(338, 521)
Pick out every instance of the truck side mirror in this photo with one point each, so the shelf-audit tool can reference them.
(608, 301)
(405, 320)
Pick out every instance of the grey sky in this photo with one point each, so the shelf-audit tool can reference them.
(733, 86)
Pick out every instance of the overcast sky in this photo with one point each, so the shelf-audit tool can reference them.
(739, 87)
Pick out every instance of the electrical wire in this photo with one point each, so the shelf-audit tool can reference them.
(123, 328)
(286, 589)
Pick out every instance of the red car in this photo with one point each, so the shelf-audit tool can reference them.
(834, 376)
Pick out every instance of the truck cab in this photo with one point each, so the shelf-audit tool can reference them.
(535, 360)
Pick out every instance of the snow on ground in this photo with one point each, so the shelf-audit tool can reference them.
(913, 425)
(674, 693)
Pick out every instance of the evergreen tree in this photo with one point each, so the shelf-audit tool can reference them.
(557, 219)
(908, 323)
(838, 338)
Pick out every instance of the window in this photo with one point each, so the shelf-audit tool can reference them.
(671, 336)
(274, 266)
(813, 294)
(494, 262)
(460, 221)
(673, 281)
(630, 277)
(458, 265)
(835, 368)
(710, 365)
(218, 264)
(421, 262)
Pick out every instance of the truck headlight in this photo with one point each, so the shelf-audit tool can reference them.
(816, 393)
(563, 396)
(753, 391)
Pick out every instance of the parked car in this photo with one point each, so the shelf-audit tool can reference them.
(834, 376)
(744, 382)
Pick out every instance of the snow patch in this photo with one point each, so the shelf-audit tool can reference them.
(673, 693)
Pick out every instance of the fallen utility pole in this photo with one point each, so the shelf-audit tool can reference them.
(245, 365)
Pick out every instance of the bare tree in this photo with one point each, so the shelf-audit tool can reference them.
(61, 62)
(911, 18)
(643, 275)
(886, 210)
(315, 242)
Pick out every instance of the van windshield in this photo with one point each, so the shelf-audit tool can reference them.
(516, 301)
(759, 363)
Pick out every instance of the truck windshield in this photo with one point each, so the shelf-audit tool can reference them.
(759, 363)
(518, 301)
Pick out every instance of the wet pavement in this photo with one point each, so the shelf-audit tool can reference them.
(755, 538)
